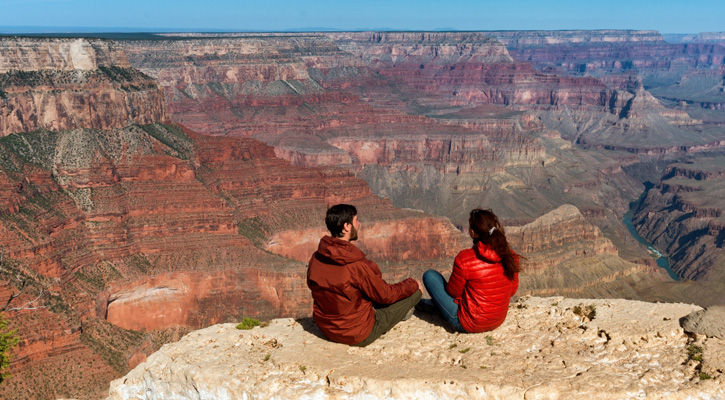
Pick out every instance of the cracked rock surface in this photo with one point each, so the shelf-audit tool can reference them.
(547, 348)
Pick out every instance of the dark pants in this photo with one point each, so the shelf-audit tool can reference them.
(435, 284)
(387, 317)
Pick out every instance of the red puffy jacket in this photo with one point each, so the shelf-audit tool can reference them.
(344, 284)
(480, 289)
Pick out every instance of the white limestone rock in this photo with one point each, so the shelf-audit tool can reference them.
(628, 350)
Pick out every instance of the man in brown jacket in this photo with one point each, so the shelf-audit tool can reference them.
(352, 303)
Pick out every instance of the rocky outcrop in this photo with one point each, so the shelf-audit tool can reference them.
(708, 322)
(547, 347)
(607, 51)
(60, 54)
(156, 227)
(61, 84)
(683, 217)
(551, 234)
(565, 254)
(469, 66)
(522, 39)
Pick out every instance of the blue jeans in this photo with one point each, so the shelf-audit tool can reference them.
(435, 284)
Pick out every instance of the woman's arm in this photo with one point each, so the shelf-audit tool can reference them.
(457, 282)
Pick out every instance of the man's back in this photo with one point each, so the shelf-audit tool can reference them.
(344, 284)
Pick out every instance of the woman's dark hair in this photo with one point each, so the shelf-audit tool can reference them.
(489, 231)
(337, 216)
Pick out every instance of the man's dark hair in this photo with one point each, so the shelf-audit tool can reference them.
(337, 216)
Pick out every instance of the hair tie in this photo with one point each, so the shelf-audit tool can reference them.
(490, 231)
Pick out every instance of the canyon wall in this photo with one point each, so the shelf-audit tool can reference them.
(470, 67)
(60, 84)
(683, 215)
(607, 51)
(150, 227)
(363, 101)
(137, 231)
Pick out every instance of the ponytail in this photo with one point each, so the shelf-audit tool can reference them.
(489, 231)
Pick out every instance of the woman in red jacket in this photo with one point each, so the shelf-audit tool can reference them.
(476, 298)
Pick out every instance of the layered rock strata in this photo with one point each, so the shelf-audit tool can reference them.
(150, 228)
(684, 77)
(471, 67)
(606, 51)
(565, 254)
(543, 349)
(363, 100)
(684, 216)
(153, 227)
(60, 84)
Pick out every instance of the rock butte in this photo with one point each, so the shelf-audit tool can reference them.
(629, 349)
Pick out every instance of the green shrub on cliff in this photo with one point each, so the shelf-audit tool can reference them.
(8, 340)
(248, 323)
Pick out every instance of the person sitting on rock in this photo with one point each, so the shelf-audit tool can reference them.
(477, 295)
(352, 303)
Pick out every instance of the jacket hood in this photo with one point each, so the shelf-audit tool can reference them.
(486, 252)
(339, 251)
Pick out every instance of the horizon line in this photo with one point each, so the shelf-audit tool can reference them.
(33, 29)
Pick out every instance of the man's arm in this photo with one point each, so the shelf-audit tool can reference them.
(370, 281)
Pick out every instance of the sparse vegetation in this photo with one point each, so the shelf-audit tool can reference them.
(267, 357)
(464, 351)
(174, 138)
(453, 346)
(303, 368)
(489, 340)
(8, 340)
(588, 312)
(248, 323)
(705, 376)
(254, 230)
(118, 74)
(694, 353)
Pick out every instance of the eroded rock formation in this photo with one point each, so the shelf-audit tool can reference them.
(547, 347)
(152, 227)
(178, 229)
(60, 84)
(684, 215)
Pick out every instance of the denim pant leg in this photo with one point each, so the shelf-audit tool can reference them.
(435, 284)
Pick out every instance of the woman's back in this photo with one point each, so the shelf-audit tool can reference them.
(480, 288)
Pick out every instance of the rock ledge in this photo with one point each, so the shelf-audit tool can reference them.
(629, 349)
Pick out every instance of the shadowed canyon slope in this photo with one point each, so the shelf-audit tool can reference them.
(683, 215)
(136, 229)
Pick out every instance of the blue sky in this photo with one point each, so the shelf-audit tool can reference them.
(666, 16)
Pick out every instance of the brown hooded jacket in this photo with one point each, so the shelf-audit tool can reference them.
(344, 285)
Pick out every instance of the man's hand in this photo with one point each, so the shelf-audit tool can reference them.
(421, 287)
